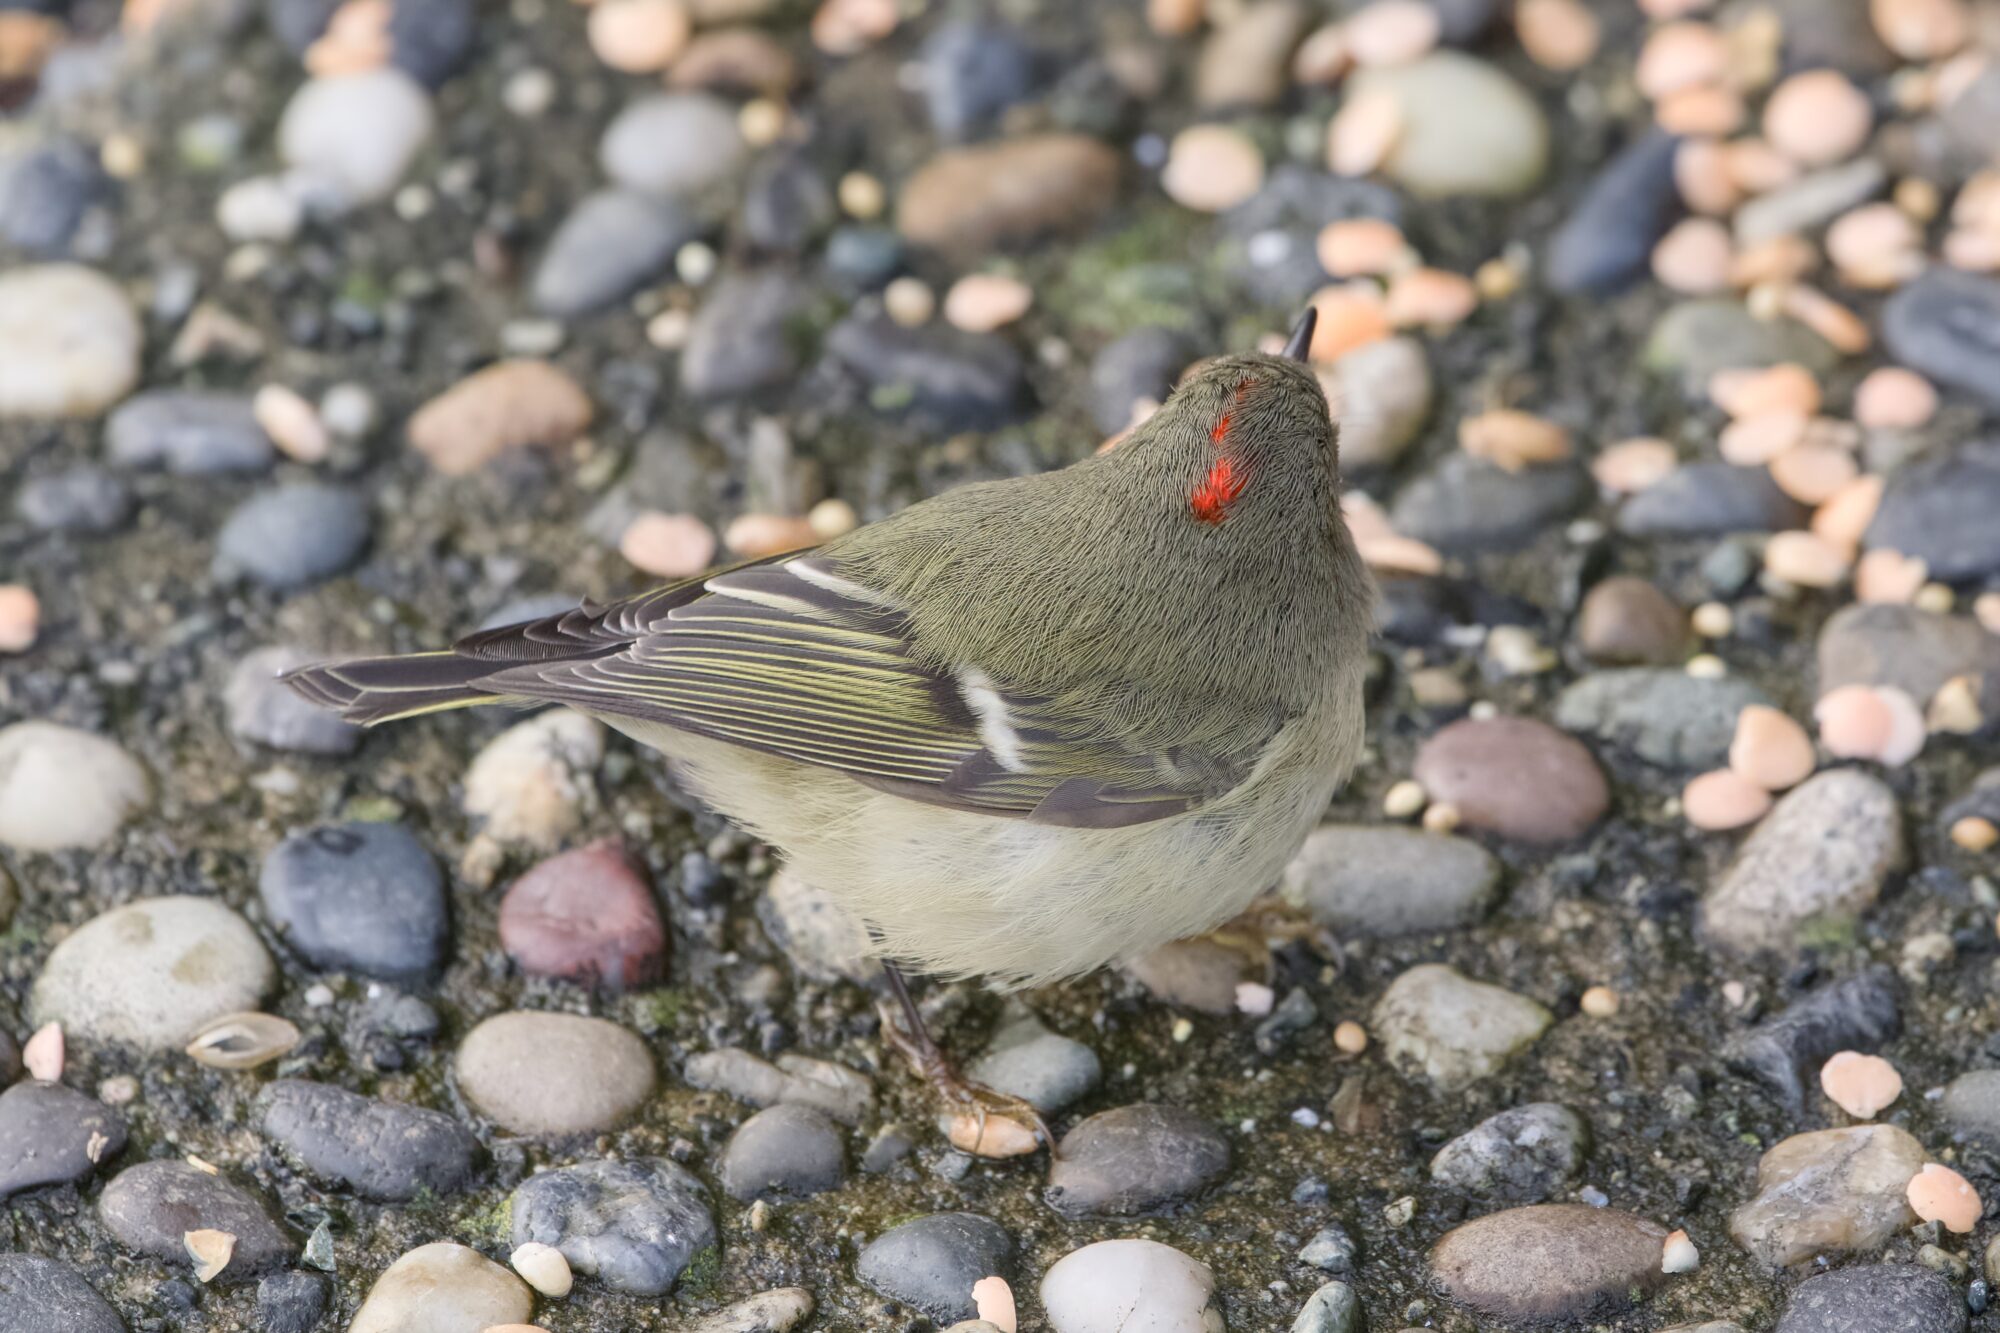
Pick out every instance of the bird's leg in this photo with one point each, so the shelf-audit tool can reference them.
(903, 1027)
(1273, 918)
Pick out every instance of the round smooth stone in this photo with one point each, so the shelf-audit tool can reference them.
(785, 1150)
(1116, 1286)
(633, 1224)
(151, 1206)
(61, 788)
(554, 1074)
(354, 135)
(586, 916)
(362, 897)
(1466, 127)
(1515, 776)
(69, 342)
(1550, 1261)
(443, 1288)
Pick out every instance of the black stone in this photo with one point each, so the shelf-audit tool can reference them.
(947, 377)
(930, 1264)
(40, 1295)
(1859, 1013)
(1946, 510)
(1710, 500)
(429, 39)
(1946, 324)
(1874, 1298)
(632, 1224)
(1607, 241)
(44, 193)
(786, 204)
(50, 1134)
(290, 1303)
(742, 339)
(973, 71)
(783, 1150)
(381, 1150)
(148, 1208)
(358, 897)
(1466, 504)
(1134, 1159)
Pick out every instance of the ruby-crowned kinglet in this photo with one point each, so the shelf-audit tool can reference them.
(1022, 729)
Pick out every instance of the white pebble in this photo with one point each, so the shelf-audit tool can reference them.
(542, 1267)
(1118, 1286)
(62, 788)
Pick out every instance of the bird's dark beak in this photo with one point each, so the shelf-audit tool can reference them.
(1302, 335)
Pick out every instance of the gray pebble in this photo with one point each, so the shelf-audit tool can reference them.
(148, 1208)
(786, 204)
(85, 500)
(612, 242)
(1946, 324)
(1710, 499)
(1046, 1069)
(634, 1225)
(290, 1303)
(1143, 364)
(44, 193)
(50, 1134)
(840, 1092)
(1941, 509)
(784, 1150)
(1466, 504)
(1134, 1159)
(1522, 1155)
(772, 1311)
(1874, 1298)
(1375, 881)
(948, 377)
(1916, 651)
(1695, 339)
(1971, 1102)
(1809, 201)
(362, 897)
(1606, 242)
(1331, 1250)
(972, 71)
(742, 338)
(293, 535)
(1662, 715)
(265, 710)
(380, 1150)
(1334, 1308)
(1268, 241)
(40, 1295)
(1858, 1013)
(678, 145)
(930, 1264)
(189, 432)
(1550, 1261)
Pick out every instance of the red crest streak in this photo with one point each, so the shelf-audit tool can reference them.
(1211, 499)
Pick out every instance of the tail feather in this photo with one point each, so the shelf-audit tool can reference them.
(368, 690)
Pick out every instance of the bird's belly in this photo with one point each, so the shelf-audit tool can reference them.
(962, 894)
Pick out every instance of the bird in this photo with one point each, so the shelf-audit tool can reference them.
(1022, 729)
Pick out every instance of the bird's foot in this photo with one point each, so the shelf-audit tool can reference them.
(978, 1119)
(1273, 919)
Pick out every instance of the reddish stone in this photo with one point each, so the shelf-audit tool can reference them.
(1514, 776)
(587, 916)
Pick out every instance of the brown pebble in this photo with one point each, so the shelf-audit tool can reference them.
(1212, 168)
(1975, 833)
(1814, 473)
(1701, 174)
(1785, 387)
(509, 405)
(669, 546)
(1628, 620)
(1174, 18)
(1514, 776)
(1361, 247)
(1630, 466)
(1513, 439)
(1430, 298)
(1349, 317)
(983, 302)
(1843, 519)
(1560, 35)
(758, 535)
(1362, 134)
(1805, 560)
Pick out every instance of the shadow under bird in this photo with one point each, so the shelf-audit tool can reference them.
(1022, 729)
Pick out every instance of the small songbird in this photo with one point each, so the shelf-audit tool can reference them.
(1021, 730)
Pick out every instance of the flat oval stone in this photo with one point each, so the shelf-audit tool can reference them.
(931, 1263)
(1710, 499)
(1662, 715)
(1467, 504)
(1521, 1155)
(973, 200)
(40, 1295)
(50, 1134)
(1629, 620)
(69, 342)
(293, 535)
(1044, 1068)
(1122, 1286)
(1550, 1261)
(677, 145)
(1822, 855)
(362, 897)
(1376, 881)
(1452, 1028)
(62, 788)
(381, 1150)
(1941, 510)
(1468, 128)
(1514, 776)
(265, 710)
(443, 1288)
(634, 1224)
(151, 1206)
(1917, 651)
(840, 1092)
(1834, 1191)
(153, 973)
(554, 1074)
(1874, 1298)
(785, 1150)
(354, 135)
(191, 433)
(1134, 1159)
(611, 243)
(1946, 325)
(1607, 240)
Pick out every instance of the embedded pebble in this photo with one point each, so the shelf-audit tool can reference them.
(742, 338)
(153, 973)
(785, 1150)
(1046, 1069)
(1710, 499)
(974, 200)
(677, 145)
(361, 897)
(1202, 974)
(823, 940)
(378, 1149)
(265, 710)
(293, 535)
(1939, 510)
(1114, 1286)
(1784, 1052)
(1373, 882)
(1134, 1159)
(840, 1092)
(152, 1206)
(931, 1263)
(507, 406)
(1833, 1191)
(442, 1288)
(1971, 1103)
(62, 788)
(1334, 1308)
(50, 1134)
(528, 782)
(773, 1311)
(1468, 505)
(1945, 325)
(69, 342)
(85, 500)
(1514, 776)
(1381, 393)
(633, 1224)
(190, 433)
(1550, 1261)
(554, 1074)
(1874, 1298)
(585, 916)
(1453, 1029)
(355, 135)
(1522, 1155)
(1665, 717)
(290, 1302)
(610, 244)
(1909, 649)
(1466, 128)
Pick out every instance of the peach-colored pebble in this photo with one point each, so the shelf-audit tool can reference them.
(1630, 466)
(1875, 246)
(999, 1136)
(356, 39)
(1831, 320)
(1349, 1037)
(1701, 174)
(1978, 202)
(1399, 555)
(1770, 749)
(1393, 32)
(1758, 168)
(1843, 519)
(994, 1300)
(1694, 256)
(1705, 110)
(1986, 610)
(983, 302)
(1862, 1085)
(1174, 18)
(849, 27)
(1211, 168)
(1557, 34)
(1921, 29)
(1672, 9)
(1513, 439)
(1854, 722)
(1893, 398)
(1907, 729)
(1599, 1002)
(43, 1054)
(1362, 133)
(1883, 575)
(292, 423)
(1361, 247)
(1939, 1194)
(1818, 117)
(1753, 441)
(1806, 560)
(1680, 55)
(669, 546)
(1973, 251)
(20, 617)
(1723, 800)
(1348, 317)
(1785, 387)
(767, 534)
(1324, 57)
(1975, 833)
(1955, 77)
(639, 36)
(1781, 259)
(1812, 473)
(1430, 297)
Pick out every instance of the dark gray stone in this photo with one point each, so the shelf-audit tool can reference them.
(612, 243)
(863, 258)
(1710, 500)
(85, 500)
(1916, 651)
(1466, 504)
(1836, 33)
(380, 1150)
(290, 1303)
(1134, 1159)
(786, 204)
(44, 193)
(1041, 1067)
(1331, 1250)
(50, 1134)
(265, 710)
(1971, 1102)
(784, 1150)
(1874, 1298)
(633, 1224)
(1662, 715)
(1142, 364)
(1695, 339)
(1268, 240)
(429, 39)
(930, 1264)
(1942, 509)
(1607, 241)
(293, 535)
(1522, 1155)
(358, 897)
(742, 338)
(1858, 1013)
(972, 71)
(1946, 324)
(947, 377)
(1377, 881)
(40, 1295)
(1981, 800)
(189, 432)
(148, 1208)
(297, 24)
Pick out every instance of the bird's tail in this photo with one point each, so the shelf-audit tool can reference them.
(368, 690)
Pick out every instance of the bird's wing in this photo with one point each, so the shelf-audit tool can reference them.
(794, 660)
